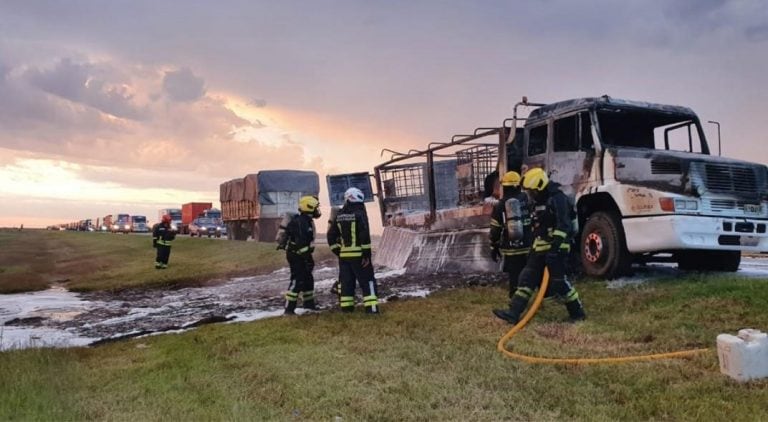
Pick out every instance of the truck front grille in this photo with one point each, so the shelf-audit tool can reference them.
(666, 167)
(726, 178)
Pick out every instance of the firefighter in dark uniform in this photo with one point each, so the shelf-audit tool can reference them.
(350, 239)
(298, 245)
(553, 229)
(162, 236)
(510, 232)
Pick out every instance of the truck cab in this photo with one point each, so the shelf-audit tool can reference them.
(139, 224)
(644, 184)
(122, 224)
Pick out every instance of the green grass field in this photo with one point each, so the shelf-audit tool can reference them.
(82, 261)
(422, 359)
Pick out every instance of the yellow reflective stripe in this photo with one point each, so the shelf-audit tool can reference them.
(513, 252)
(572, 295)
(291, 297)
(354, 233)
(302, 250)
(495, 223)
(346, 301)
(371, 297)
(365, 246)
(308, 295)
(524, 292)
(350, 254)
(565, 246)
(559, 233)
(164, 242)
(335, 246)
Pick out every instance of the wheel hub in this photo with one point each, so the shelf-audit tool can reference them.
(593, 247)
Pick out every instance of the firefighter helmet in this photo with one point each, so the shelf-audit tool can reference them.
(354, 195)
(511, 178)
(535, 179)
(166, 218)
(308, 204)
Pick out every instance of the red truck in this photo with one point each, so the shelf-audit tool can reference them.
(190, 211)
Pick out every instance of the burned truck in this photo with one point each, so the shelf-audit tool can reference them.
(641, 175)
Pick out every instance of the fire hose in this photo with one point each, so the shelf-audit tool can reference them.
(502, 344)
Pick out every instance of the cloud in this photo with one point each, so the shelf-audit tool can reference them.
(182, 85)
(97, 85)
(258, 102)
(758, 33)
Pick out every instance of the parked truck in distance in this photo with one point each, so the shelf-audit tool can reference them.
(254, 205)
(139, 224)
(190, 211)
(641, 175)
(175, 214)
(121, 224)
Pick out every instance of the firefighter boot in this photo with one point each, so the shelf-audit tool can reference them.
(290, 307)
(575, 311)
(516, 307)
(310, 304)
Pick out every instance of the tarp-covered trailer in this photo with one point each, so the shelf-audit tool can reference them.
(253, 206)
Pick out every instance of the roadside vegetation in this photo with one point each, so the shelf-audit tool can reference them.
(84, 261)
(421, 359)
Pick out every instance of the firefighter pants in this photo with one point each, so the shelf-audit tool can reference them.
(302, 280)
(530, 277)
(352, 272)
(513, 266)
(163, 253)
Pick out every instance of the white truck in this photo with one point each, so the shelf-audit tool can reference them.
(642, 177)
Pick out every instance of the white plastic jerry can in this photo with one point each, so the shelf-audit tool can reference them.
(743, 357)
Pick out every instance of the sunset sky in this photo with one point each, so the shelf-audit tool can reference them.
(132, 106)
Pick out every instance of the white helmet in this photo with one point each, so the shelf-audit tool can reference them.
(354, 195)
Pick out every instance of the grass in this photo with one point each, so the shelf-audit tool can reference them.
(422, 359)
(34, 259)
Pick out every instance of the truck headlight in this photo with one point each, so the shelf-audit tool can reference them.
(686, 205)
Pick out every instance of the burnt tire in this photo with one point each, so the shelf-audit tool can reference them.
(602, 247)
(701, 260)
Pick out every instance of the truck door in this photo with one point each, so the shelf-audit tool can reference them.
(536, 136)
(571, 161)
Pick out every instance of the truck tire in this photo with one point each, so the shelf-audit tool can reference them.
(603, 248)
(702, 260)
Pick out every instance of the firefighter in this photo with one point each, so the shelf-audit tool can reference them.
(298, 244)
(553, 229)
(162, 236)
(350, 239)
(510, 232)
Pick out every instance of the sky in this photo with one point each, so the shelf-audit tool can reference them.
(132, 106)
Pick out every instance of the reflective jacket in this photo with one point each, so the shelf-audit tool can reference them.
(499, 235)
(554, 220)
(349, 233)
(162, 234)
(300, 234)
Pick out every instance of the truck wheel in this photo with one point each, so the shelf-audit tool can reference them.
(699, 260)
(603, 249)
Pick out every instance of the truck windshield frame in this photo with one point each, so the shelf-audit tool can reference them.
(650, 129)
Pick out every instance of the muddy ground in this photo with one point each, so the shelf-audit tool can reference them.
(56, 317)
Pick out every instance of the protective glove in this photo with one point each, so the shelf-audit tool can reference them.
(495, 254)
(154, 243)
(336, 251)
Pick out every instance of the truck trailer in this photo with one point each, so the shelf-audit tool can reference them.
(190, 211)
(253, 206)
(641, 175)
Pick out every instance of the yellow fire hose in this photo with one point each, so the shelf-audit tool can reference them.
(501, 346)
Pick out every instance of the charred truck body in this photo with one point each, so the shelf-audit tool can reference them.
(254, 205)
(641, 175)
